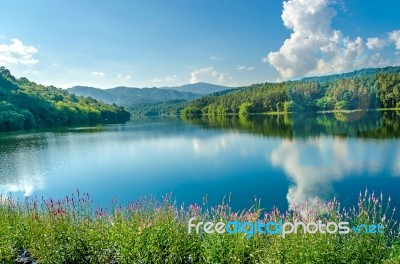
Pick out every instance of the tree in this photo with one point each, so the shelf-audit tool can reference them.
(244, 109)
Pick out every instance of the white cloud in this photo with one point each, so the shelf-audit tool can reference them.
(156, 79)
(2, 37)
(30, 71)
(121, 76)
(375, 43)
(196, 74)
(168, 78)
(17, 53)
(242, 68)
(395, 37)
(214, 58)
(314, 47)
(392, 38)
(95, 73)
(221, 78)
(209, 74)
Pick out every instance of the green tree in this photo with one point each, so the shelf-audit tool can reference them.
(244, 109)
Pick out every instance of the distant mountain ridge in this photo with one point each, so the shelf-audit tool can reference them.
(134, 96)
(200, 88)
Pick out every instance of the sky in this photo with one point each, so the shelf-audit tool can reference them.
(149, 43)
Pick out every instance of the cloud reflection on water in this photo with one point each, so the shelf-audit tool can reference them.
(314, 164)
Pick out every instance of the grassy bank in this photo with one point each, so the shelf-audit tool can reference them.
(156, 231)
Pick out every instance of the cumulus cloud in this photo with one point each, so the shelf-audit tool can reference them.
(315, 48)
(96, 73)
(168, 78)
(209, 74)
(196, 74)
(221, 78)
(395, 37)
(17, 53)
(375, 43)
(224, 77)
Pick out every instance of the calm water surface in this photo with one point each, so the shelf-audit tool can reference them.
(284, 160)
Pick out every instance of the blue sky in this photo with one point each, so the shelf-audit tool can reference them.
(166, 43)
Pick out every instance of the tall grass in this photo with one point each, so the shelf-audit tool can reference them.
(156, 231)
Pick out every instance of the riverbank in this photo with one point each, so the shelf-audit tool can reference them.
(156, 231)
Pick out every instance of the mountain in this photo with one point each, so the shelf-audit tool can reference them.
(25, 104)
(133, 96)
(129, 96)
(199, 88)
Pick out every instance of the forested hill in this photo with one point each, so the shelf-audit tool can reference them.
(353, 74)
(363, 89)
(25, 104)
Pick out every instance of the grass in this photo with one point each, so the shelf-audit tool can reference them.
(156, 231)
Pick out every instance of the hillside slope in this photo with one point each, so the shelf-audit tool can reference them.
(362, 89)
(25, 104)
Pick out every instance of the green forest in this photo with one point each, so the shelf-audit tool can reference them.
(25, 104)
(363, 89)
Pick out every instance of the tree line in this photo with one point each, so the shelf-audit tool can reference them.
(25, 104)
(365, 89)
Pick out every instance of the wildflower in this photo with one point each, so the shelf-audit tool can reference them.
(111, 221)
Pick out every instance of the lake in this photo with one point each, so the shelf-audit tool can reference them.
(282, 159)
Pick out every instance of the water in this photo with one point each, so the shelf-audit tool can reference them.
(284, 160)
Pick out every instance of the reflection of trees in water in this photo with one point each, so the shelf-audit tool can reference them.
(314, 160)
(370, 124)
(274, 125)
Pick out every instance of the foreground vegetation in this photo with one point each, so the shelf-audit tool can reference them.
(152, 231)
(363, 89)
(25, 104)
